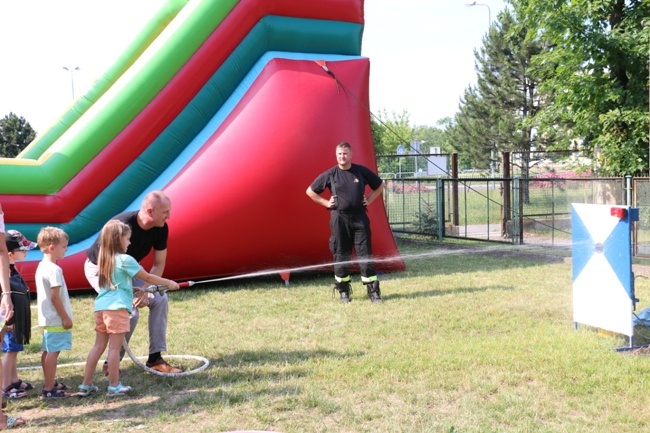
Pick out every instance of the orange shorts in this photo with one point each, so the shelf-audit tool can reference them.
(112, 321)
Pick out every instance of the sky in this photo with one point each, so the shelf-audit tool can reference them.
(421, 52)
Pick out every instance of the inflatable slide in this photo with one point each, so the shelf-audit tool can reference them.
(230, 107)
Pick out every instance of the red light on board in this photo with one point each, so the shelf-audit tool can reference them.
(618, 212)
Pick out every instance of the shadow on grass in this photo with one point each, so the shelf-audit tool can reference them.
(226, 382)
(455, 291)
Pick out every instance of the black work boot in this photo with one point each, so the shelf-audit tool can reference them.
(373, 292)
(344, 289)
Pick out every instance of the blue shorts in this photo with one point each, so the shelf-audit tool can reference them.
(56, 341)
(9, 343)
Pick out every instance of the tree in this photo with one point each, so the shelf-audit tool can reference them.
(496, 114)
(388, 135)
(15, 134)
(392, 131)
(596, 71)
(432, 136)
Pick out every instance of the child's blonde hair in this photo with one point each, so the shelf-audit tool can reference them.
(51, 236)
(110, 244)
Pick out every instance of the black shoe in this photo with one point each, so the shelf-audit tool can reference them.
(344, 290)
(373, 292)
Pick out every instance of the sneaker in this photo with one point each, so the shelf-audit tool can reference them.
(86, 390)
(118, 391)
(162, 366)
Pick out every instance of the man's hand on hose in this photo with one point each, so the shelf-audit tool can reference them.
(141, 299)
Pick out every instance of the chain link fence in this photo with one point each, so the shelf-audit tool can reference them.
(535, 210)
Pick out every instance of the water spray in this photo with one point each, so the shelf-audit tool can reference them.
(285, 273)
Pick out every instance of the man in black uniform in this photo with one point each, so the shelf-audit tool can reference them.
(348, 219)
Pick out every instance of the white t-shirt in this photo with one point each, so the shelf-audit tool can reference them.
(50, 275)
(2, 222)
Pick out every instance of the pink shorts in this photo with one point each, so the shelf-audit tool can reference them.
(112, 321)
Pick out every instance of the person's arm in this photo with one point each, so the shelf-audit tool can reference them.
(5, 299)
(320, 200)
(159, 261)
(156, 280)
(141, 299)
(60, 309)
(376, 193)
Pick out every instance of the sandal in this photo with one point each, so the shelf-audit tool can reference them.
(54, 393)
(14, 393)
(86, 390)
(118, 391)
(60, 386)
(17, 390)
(23, 386)
(13, 422)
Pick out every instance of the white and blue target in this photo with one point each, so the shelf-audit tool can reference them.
(603, 283)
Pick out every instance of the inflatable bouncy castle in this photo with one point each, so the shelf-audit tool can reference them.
(230, 107)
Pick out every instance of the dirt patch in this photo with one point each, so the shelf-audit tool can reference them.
(643, 270)
(643, 350)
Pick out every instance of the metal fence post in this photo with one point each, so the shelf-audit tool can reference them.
(628, 189)
(516, 215)
(440, 208)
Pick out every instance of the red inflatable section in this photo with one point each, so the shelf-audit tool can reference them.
(134, 139)
(256, 214)
(242, 196)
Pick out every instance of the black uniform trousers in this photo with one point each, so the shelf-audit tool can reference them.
(348, 231)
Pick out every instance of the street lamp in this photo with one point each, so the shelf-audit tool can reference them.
(646, 25)
(72, 71)
(488, 8)
(492, 150)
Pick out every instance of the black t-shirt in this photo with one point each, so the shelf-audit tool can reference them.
(141, 240)
(349, 186)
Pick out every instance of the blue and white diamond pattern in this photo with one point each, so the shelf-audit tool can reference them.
(602, 263)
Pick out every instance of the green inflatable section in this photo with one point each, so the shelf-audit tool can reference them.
(146, 36)
(88, 137)
(272, 33)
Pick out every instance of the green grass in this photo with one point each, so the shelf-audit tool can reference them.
(465, 341)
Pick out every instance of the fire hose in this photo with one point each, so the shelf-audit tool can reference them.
(206, 363)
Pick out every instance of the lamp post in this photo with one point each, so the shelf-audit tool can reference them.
(646, 25)
(488, 8)
(72, 71)
(493, 148)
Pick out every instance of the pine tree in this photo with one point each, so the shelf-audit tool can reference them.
(497, 114)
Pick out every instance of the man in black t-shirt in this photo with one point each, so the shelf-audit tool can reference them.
(349, 222)
(149, 231)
